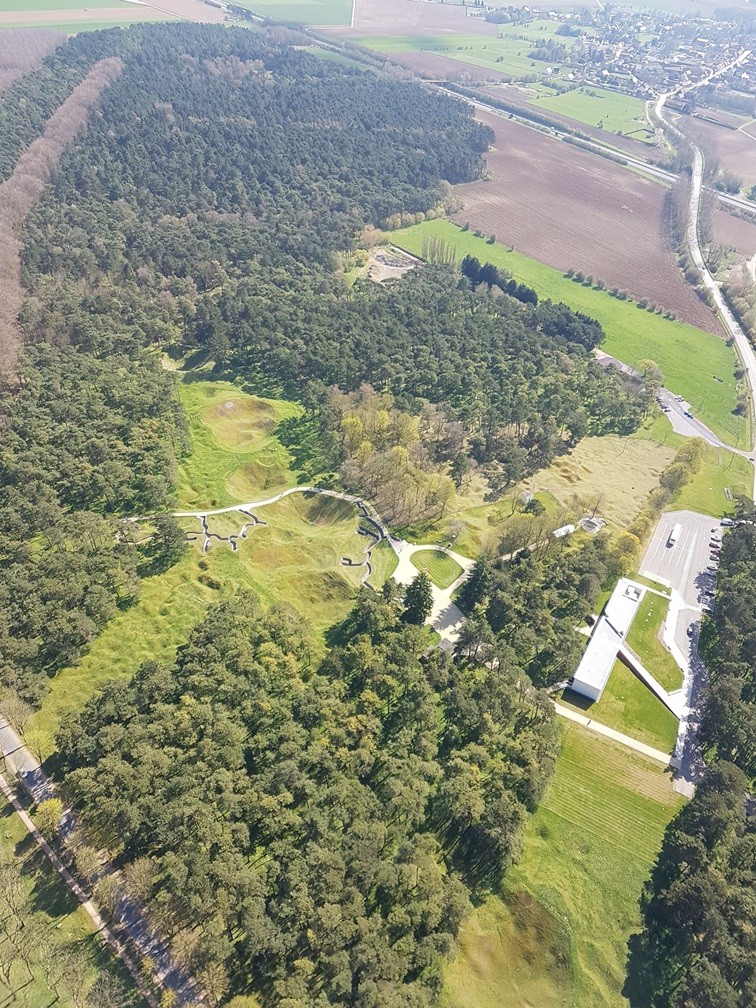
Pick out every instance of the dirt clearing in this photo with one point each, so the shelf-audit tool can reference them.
(387, 263)
(569, 208)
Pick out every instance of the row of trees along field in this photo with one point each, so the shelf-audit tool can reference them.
(314, 835)
(698, 946)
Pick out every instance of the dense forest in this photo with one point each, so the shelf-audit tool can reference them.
(323, 829)
(698, 948)
(207, 205)
(728, 727)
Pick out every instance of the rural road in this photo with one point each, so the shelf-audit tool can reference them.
(133, 924)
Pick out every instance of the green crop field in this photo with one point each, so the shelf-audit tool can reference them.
(62, 5)
(594, 106)
(440, 568)
(509, 54)
(55, 928)
(645, 641)
(559, 937)
(308, 12)
(697, 365)
(628, 706)
(295, 558)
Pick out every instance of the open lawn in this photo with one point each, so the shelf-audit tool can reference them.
(56, 929)
(644, 638)
(440, 568)
(558, 938)
(308, 12)
(631, 708)
(691, 359)
(721, 470)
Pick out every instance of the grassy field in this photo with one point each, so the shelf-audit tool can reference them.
(62, 5)
(54, 924)
(691, 360)
(594, 106)
(236, 455)
(579, 480)
(508, 54)
(644, 639)
(628, 706)
(295, 558)
(73, 27)
(308, 12)
(706, 491)
(440, 568)
(558, 938)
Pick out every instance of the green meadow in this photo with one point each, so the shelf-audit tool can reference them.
(557, 937)
(696, 364)
(307, 12)
(440, 568)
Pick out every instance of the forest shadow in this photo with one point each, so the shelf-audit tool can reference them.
(301, 438)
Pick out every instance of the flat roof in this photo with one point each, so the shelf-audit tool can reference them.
(609, 632)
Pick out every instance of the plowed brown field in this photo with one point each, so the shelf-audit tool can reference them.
(566, 208)
(741, 234)
(406, 17)
(736, 148)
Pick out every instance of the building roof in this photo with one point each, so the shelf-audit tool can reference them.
(609, 632)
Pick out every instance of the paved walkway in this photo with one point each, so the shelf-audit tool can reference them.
(615, 736)
(446, 617)
(130, 916)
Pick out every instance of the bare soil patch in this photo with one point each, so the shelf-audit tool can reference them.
(20, 50)
(19, 193)
(735, 231)
(388, 263)
(736, 149)
(402, 17)
(568, 208)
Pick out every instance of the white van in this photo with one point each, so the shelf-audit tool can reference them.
(674, 535)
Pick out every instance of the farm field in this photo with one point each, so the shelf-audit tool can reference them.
(56, 928)
(558, 938)
(508, 55)
(736, 149)
(66, 16)
(440, 568)
(295, 558)
(308, 12)
(644, 639)
(630, 707)
(614, 113)
(736, 231)
(562, 206)
(631, 334)
(526, 97)
(402, 17)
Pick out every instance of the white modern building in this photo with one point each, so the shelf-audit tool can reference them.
(609, 632)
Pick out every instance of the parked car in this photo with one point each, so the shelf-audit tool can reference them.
(727, 522)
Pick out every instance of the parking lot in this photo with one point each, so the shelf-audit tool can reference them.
(684, 565)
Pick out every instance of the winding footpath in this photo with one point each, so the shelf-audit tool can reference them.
(445, 618)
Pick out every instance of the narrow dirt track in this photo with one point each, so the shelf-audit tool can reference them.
(22, 190)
